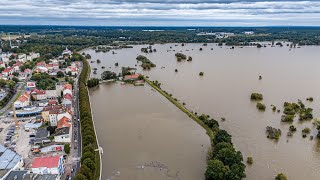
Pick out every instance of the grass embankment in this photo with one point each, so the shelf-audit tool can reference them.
(224, 161)
(90, 160)
(183, 109)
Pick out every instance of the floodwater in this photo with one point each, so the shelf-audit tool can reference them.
(144, 136)
(230, 76)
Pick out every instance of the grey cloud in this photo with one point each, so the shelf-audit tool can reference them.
(145, 12)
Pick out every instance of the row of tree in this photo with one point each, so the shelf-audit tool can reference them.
(90, 160)
(93, 82)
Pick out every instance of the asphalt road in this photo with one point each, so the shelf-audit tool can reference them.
(76, 130)
(5, 108)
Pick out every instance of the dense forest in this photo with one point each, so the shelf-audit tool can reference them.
(51, 40)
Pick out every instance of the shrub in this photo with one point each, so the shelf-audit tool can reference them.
(201, 73)
(256, 96)
(250, 160)
(261, 106)
(67, 148)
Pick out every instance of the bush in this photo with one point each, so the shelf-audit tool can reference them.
(250, 160)
(261, 106)
(281, 176)
(201, 73)
(256, 97)
(67, 148)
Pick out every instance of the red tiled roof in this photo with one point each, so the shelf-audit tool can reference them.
(32, 84)
(7, 70)
(64, 122)
(49, 162)
(68, 86)
(134, 76)
(49, 108)
(68, 96)
(42, 63)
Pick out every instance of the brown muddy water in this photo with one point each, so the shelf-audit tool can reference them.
(123, 114)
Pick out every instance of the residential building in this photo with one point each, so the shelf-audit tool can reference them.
(66, 52)
(73, 70)
(64, 122)
(48, 165)
(32, 56)
(63, 135)
(30, 86)
(23, 100)
(39, 94)
(131, 77)
(53, 117)
(67, 89)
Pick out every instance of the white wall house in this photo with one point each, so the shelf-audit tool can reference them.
(48, 165)
(53, 118)
(63, 135)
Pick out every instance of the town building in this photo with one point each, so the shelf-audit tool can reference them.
(48, 165)
(23, 100)
(63, 135)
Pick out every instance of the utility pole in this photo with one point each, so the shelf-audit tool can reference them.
(16, 122)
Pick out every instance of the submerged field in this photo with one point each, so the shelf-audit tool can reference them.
(230, 76)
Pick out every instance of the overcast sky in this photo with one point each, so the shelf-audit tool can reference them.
(161, 12)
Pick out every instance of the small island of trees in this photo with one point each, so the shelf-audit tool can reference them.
(180, 56)
(107, 75)
(256, 97)
(281, 176)
(146, 63)
(261, 106)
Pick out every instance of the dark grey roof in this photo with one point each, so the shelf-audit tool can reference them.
(16, 175)
(40, 177)
(62, 131)
(42, 132)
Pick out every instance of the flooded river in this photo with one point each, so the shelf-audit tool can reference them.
(123, 114)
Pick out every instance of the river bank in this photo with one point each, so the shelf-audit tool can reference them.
(90, 160)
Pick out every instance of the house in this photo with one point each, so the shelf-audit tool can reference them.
(72, 70)
(66, 52)
(30, 86)
(23, 100)
(41, 69)
(67, 99)
(16, 66)
(52, 66)
(32, 56)
(39, 94)
(46, 111)
(67, 89)
(22, 58)
(8, 71)
(131, 77)
(43, 103)
(63, 135)
(64, 122)
(41, 64)
(53, 117)
(41, 136)
(48, 165)
(52, 94)
(10, 161)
